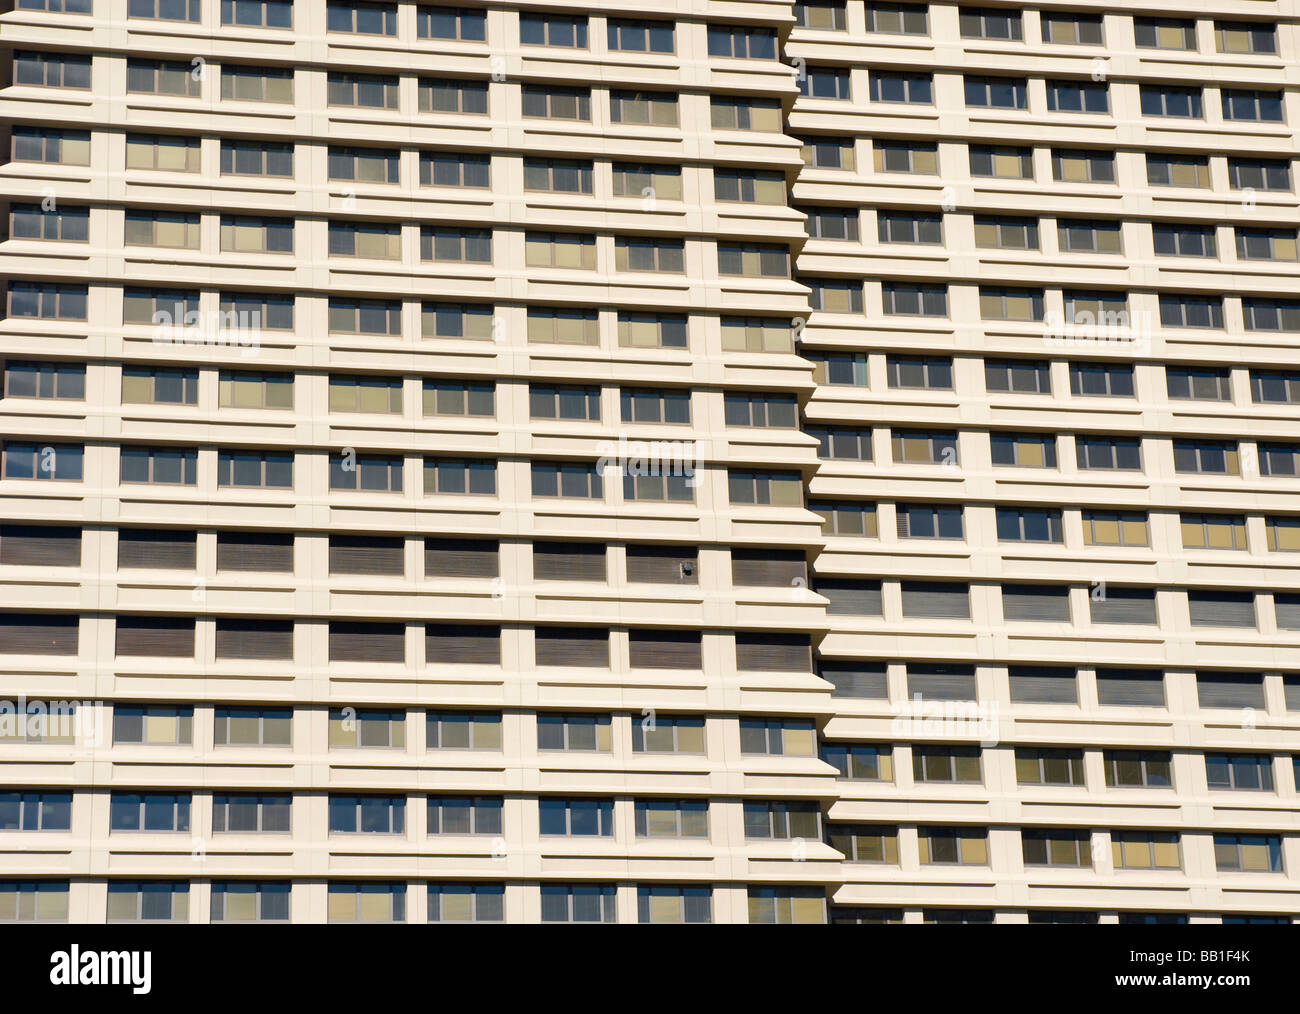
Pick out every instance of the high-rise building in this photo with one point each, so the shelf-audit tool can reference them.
(738, 463)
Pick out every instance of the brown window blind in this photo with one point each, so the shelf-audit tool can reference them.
(579, 646)
(663, 564)
(1035, 684)
(1230, 690)
(266, 552)
(569, 561)
(461, 558)
(1131, 688)
(1123, 605)
(366, 554)
(866, 680)
(38, 634)
(1215, 608)
(472, 643)
(352, 641)
(941, 682)
(665, 649)
(1291, 690)
(773, 652)
(850, 596)
(948, 599)
(1036, 602)
(166, 550)
(40, 545)
(155, 636)
(241, 638)
(769, 568)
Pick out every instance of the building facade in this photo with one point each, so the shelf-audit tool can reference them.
(830, 462)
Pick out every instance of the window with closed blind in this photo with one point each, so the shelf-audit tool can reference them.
(1043, 603)
(941, 599)
(1218, 608)
(665, 649)
(773, 652)
(40, 545)
(464, 643)
(462, 558)
(587, 647)
(851, 678)
(1291, 690)
(155, 636)
(367, 554)
(941, 682)
(1230, 690)
(1039, 684)
(1109, 604)
(569, 561)
(769, 568)
(254, 639)
(262, 552)
(1131, 688)
(165, 550)
(352, 641)
(847, 596)
(663, 564)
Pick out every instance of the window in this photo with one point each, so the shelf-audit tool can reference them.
(61, 70)
(255, 469)
(830, 153)
(867, 762)
(1078, 96)
(964, 846)
(365, 394)
(1131, 688)
(657, 108)
(768, 568)
(658, 181)
(773, 652)
(1115, 528)
(784, 905)
(825, 83)
(669, 481)
(40, 545)
(784, 489)
(842, 443)
(576, 817)
(367, 642)
(671, 818)
(946, 764)
(577, 903)
(795, 737)
(1006, 233)
(669, 903)
(1138, 768)
(573, 731)
(1266, 244)
(253, 726)
(461, 398)
(936, 599)
(365, 316)
(56, 7)
(567, 479)
(640, 36)
(1023, 450)
(930, 373)
(1200, 311)
(957, 916)
(352, 727)
(450, 23)
(898, 19)
(865, 843)
(460, 476)
(831, 296)
(839, 368)
(257, 14)
(1171, 100)
(449, 320)
(820, 14)
(467, 902)
(464, 814)
(584, 647)
(1283, 534)
(1114, 453)
(924, 447)
(1016, 524)
(742, 43)
(1165, 33)
(554, 102)
(149, 811)
(30, 221)
(644, 405)
(40, 721)
(1254, 37)
(842, 224)
(263, 84)
(254, 390)
(1022, 376)
(756, 334)
(250, 900)
(1259, 174)
(367, 814)
(1217, 608)
(366, 902)
(997, 92)
(644, 254)
(363, 165)
(906, 157)
(254, 311)
(563, 326)
(148, 901)
(777, 819)
(1110, 604)
(56, 147)
(895, 86)
(662, 564)
(1213, 531)
(1072, 29)
(1074, 236)
(155, 77)
(368, 91)
(1239, 771)
(34, 900)
(246, 234)
(251, 814)
(1081, 166)
(35, 811)
(731, 113)
(461, 558)
(462, 644)
(901, 227)
(371, 472)
(559, 250)
(158, 465)
(1101, 380)
(48, 301)
(44, 380)
(153, 725)
(1268, 314)
(161, 228)
(1011, 304)
(1056, 846)
(463, 730)
(1036, 603)
(449, 169)
(754, 260)
(1200, 383)
(987, 23)
(1249, 105)
(1206, 457)
(61, 462)
(382, 240)
(1248, 853)
(361, 18)
(1178, 171)
(256, 158)
(656, 733)
(1048, 766)
(1230, 690)
(553, 30)
(762, 410)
